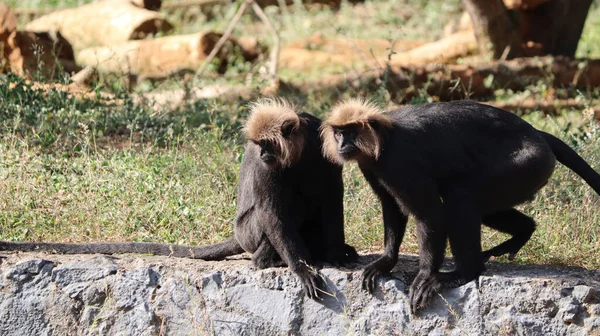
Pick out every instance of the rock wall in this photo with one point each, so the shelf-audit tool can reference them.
(141, 295)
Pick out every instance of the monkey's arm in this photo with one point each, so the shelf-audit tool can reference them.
(394, 222)
(210, 252)
(283, 234)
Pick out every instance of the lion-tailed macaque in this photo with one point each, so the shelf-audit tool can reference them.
(452, 166)
(289, 206)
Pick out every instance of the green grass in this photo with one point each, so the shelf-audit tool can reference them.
(79, 176)
(588, 44)
(101, 170)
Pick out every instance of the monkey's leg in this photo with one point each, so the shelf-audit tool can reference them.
(432, 244)
(507, 184)
(461, 222)
(266, 256)
(513, 222)
(394, 222)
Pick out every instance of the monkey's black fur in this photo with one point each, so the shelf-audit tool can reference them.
(292, 216)
(212, 252)
(453, 166)
(286, 215)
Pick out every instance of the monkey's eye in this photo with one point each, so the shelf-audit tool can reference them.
(338, 135)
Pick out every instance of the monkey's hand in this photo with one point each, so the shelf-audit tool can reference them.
(312, 283)
(427, 284)
(379, 267)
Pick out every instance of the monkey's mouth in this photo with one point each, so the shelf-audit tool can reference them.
(347, 154)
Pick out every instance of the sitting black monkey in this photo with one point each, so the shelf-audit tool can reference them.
(290, 198)
(452, 166)
(290, 203)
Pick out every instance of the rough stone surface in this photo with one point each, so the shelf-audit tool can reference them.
(142, 295)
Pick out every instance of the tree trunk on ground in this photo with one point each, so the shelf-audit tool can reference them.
(551, 107)
(26, 54)
(161, 57)
(39, 54)
(451, 82)
(494, 30)
(100, 23)
(444, 50)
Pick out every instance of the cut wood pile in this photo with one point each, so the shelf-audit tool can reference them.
(111, 36)
(132, 39)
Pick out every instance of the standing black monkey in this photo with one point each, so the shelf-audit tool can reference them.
(290, 202)
(452, 166)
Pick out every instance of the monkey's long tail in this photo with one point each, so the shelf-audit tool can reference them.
(568, 157)
(211, 252)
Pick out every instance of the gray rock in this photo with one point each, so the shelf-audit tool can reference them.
(135, 295)
(81, 271)
(586, 294)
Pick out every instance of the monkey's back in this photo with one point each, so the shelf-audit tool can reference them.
(462, 136)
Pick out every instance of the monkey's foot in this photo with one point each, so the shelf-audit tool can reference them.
(426, 285)
(510, 247)
(379, 267)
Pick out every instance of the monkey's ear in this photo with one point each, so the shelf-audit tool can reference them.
(287, 128)
(378, 125)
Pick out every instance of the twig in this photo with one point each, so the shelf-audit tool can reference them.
(84, 75)
(275, 51)
(222, 40)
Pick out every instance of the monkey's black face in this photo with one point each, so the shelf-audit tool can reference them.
(267, 152)
(346, 142)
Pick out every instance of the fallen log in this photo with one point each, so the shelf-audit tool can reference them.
(174, 6)
(551, 107)
(446, 82)
(445, 50)
(450, 82)
(30, 55)
(101, 23)
(167, 8)
(162, 57)
(306, 60)
(346, 51)
(317, 51)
